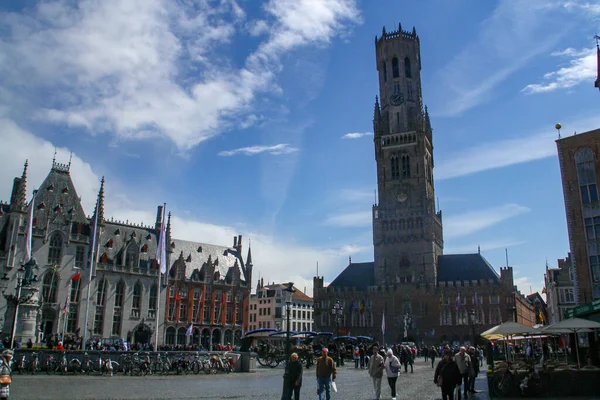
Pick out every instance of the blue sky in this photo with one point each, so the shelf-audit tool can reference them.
(235, 113)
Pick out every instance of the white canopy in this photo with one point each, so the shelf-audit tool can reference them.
(572, 325)
(507, 329)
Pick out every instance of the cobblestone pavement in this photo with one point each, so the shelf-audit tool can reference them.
(264, 383)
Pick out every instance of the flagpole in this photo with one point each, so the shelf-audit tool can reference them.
(90, 271)
(67, 306)
(162, 251)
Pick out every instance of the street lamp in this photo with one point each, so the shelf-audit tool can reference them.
(338, 312)
(289, 293)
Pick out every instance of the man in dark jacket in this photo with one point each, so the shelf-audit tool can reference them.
(432, 354)
(447, 375)
(294, 370)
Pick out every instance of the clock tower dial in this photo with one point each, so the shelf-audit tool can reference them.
(405, 220)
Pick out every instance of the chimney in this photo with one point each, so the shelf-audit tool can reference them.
(239, 248)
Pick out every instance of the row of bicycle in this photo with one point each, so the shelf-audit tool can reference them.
(137, 364)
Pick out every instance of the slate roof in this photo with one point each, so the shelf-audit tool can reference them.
(195, 255)
(116, 238)
(358, 275)
(465, 267)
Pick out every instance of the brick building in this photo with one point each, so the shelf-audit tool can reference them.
(424, 294)
(579, 161)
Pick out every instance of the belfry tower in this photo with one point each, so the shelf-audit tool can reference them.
(407, 229)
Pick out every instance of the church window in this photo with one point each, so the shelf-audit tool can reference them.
(99, 312)
(586, 175)
(49, 287)
(152, 301)
(55, 249)
(409, 92)
(407, 70)
(405, 166)
(131, 256)
(395, 68)
(118, 308)
(395, 167)
(384, 70)
(137, 300)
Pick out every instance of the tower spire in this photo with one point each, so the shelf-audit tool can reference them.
(169, 232)
(22, 195)
(249, 256)
(100, 210)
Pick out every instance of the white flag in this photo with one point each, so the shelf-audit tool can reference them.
(161, 251)
(383, 324)
(190, 330)
(29, 231)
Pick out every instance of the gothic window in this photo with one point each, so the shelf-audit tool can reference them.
(183, 311)
(118, 309)
(409, 92)
(152, 301)
(137, 300)
(170, 337)
(495, 316)
(131, 256)
(586, 175)
(99, 313)
(407, 71)
(412, 121)
(395, 167)
(395, 68)
(55, 249)
(181, 272)
(206, 313)
(49, 286)
(405, 166)
(396, 89)
(80, 257)
(384, 71)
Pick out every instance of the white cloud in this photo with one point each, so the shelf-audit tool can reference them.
(147, 68)
(353, 219)
(356, 135)
(582, 68)
(277, 149)
(275, 258)
(516, 32)
(474, 221)
(483, 246)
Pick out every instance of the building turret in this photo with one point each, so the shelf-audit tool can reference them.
(158, 222)
(100, 202)
(18, 198)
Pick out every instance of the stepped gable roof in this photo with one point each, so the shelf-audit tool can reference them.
(465, 267)
(60, 199)
(116, 238)
(197, 253)
(357, 275)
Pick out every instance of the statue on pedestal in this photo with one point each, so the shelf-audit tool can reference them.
(28, 276)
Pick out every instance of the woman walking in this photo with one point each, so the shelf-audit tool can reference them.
(294, 376)
(5, 373)
(392, 366)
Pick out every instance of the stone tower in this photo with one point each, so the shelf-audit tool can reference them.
(407, 229)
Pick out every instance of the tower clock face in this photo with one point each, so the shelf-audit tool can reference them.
(396, 99)
(401, 197)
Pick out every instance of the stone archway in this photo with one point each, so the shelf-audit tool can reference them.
(142, 333)
(237, 338)
(196, 337)
(228, 337)
(216, 337)
(48, 323)
(205, 339)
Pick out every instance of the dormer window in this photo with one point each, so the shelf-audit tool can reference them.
(51, 188)
(110, 244)
(144, 249)
(118, 232)
(42, 206)
(149, 237)
(65, 190)
(57, 209)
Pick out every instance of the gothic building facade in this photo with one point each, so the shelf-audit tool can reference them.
(124, 290)
(424, 294)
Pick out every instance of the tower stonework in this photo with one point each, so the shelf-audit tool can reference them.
(407, 229)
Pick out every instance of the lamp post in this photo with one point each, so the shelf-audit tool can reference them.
(337, 311)
(289, 293)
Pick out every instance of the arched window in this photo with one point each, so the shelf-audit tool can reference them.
(586, 175)
(407, 71)
(181, 335)
(170, 339)
(395, 167)
(137, 300)
(152, 301)
(55, 249)
(100, 301)
(412, 119)
(73, 308)
(49, 286)
(395, 68)
(131, 256)
(384, 71)
(405, 166)
(118, 309)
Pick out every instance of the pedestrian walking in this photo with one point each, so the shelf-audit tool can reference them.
(432, 355)
(294, 374)
(361, 355)
(356, 357)
(326, 373)
(464, 364)
(5, 373)
(392, 367)
(473, 369)
(375, 368)
(447, 375)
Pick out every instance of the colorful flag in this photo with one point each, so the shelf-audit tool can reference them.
(541, 315)
(64, 310)
(383, 324)
(457, 302)
(29, 230)
(177, 296)
(190, 330)
(161, 251)
(76, 277)
(361, 308)
(351, 307)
